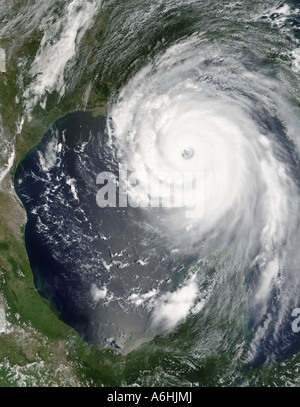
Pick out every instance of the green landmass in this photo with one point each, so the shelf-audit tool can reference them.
(37, 348)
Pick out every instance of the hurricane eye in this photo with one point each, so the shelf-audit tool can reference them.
(187, 153)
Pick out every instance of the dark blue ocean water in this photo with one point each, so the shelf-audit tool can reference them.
(73, 245)
(56, 230)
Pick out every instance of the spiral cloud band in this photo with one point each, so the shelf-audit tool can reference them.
(201, 109)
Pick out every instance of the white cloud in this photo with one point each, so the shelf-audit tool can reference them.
(57, 50)
(98, 293)
(173, 307)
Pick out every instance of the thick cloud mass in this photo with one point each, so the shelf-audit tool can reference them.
(240, 129)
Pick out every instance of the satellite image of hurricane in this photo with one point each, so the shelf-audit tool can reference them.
(149, 193)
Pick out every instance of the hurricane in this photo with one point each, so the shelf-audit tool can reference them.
(243, 137)
(171, 222)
